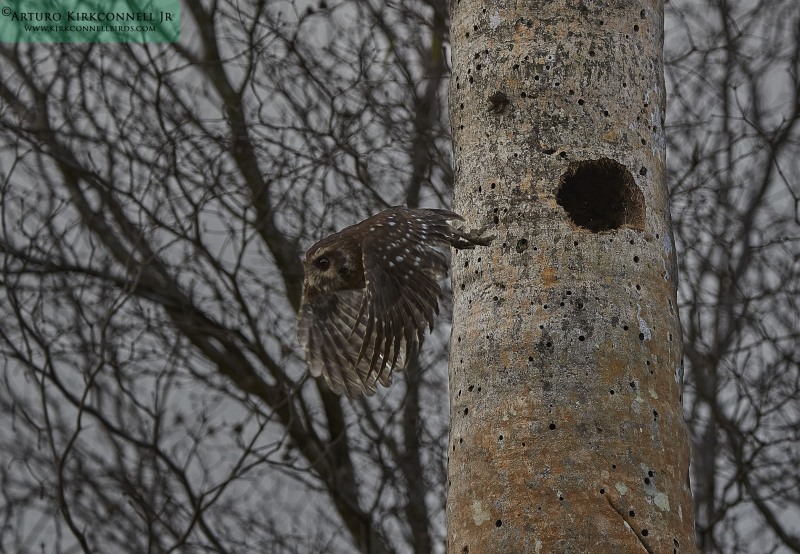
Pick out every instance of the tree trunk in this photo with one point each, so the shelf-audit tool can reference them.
(565, 366)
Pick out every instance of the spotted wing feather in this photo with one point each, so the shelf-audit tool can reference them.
(402, 272)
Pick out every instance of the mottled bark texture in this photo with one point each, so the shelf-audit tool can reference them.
(565, 368)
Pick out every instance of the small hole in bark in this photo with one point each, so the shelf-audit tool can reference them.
(602, 491)
(611, 392)
(625, 327)
(581, 338)
(466, 411)
(601, 195)
(646, 480)
(632, 513)
(498, 523)
(580, 102)
(522, 245)
(643, 171)
(645, 532)
(552, 426)
(641, 336)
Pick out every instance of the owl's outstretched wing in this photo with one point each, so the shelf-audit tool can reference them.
(331, 330)
(402, 270)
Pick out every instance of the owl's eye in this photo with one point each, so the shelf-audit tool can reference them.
(323, 263)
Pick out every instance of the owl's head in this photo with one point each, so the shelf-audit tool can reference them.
(330, 265)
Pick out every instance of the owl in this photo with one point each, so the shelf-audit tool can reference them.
(369, 292)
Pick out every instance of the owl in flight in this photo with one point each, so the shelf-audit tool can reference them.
(369, 292)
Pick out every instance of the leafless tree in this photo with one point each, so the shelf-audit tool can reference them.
(156, 202)
(734, 151)
(156, 199)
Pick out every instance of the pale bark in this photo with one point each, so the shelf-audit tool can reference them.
(566, 426)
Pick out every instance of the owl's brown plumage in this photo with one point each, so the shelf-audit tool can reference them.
(370, 291)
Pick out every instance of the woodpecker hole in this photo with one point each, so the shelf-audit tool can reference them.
(601, 195)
